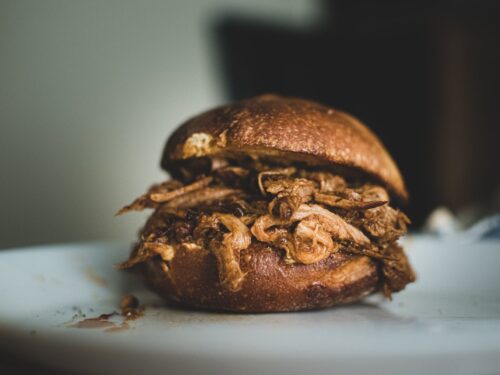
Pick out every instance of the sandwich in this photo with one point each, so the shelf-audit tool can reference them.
(274, 204)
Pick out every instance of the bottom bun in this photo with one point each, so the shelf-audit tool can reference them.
(270, 284)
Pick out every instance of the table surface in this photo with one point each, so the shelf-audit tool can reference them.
(449, 320)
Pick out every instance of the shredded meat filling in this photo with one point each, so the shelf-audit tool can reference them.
(289, 195)
(167, 196)
(312, 242)
(272, 172)
(337, 201)
(314, 236)
(227, 249)
(146, 250)
(144, 201)
(203, 196)
(307, 215)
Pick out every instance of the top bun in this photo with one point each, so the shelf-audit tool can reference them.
(286, 130)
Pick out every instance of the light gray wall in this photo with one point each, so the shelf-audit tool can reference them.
(89, 91)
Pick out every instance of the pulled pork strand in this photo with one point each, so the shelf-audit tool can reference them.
(290, 194)
(203, 196)
(363, 198)
(167, 196)
(227, 250)
(397, 271)
(312, 239)
(146, 250)
(273, 172)
(311, 242)
(333, 223)
(328, 183)
(346, 204)
(144, 200)
(385, 223)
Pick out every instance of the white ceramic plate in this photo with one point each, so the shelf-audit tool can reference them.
(447, 322)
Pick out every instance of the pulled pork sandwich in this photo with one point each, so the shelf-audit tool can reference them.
(276, 204)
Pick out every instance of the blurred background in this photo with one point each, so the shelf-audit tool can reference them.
(90, 90)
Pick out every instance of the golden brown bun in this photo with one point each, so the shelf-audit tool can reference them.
(289, 129)
(270, 285)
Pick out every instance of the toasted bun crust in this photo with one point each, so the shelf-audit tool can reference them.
(289, 129)
(270, 285)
